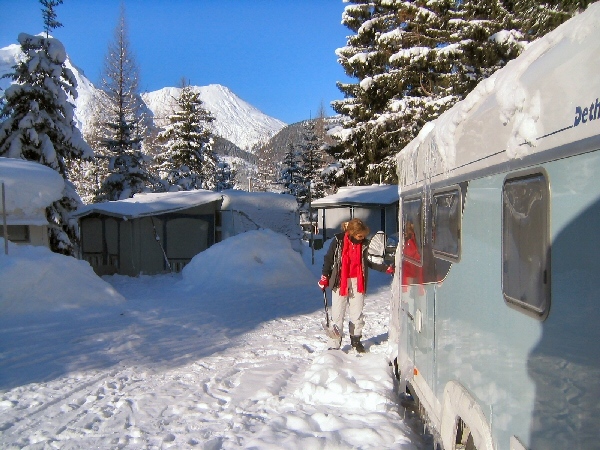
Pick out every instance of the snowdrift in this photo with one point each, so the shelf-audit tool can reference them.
(52, 281)
(258, 258)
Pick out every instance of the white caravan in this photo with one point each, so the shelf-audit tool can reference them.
(498, 312)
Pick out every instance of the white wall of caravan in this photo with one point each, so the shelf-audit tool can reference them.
(534, 381)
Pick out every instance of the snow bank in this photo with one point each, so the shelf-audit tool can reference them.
(35, 279)
(247, 259)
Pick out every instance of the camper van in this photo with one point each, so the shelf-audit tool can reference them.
(498, 296)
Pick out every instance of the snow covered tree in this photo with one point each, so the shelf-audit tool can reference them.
(39, 124)
(188, 161)
(122, 134)
(537, 17)
(87, 175)
(364, 147)
(312, 162)
(224, 176)
(487, 35)
(267, 168)
(290, 176)
(414, 59)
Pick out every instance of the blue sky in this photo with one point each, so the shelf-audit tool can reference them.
(278, 55)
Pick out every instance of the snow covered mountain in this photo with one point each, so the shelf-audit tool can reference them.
(236, 120)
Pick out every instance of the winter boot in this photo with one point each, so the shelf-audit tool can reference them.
(356, 344)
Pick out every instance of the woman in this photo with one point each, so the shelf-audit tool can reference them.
(345, 265)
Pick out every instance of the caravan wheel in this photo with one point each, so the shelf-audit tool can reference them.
(464, 425)
(464, 438)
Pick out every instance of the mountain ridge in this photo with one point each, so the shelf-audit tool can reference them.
(236, 120)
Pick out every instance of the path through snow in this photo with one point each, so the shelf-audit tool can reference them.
(178, 369)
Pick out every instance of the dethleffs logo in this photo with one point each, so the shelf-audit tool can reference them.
(582, 115)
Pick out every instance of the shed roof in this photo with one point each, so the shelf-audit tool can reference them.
(30, 188)
(374, 195)
(149, 204)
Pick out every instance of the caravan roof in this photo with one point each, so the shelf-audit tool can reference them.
(545, 98)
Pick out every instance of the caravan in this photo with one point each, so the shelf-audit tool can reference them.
(498, 307)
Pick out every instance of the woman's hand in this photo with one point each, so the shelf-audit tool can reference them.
(323, 282)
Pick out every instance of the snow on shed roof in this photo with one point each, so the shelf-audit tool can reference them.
(148, 204)
(374, 195)
(30, 188)
(263, 200)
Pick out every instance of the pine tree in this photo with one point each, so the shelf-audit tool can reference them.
(188, 161)
(225, 176)
(487, 35)
(49, 15)
(122, 137)
(536, 18)
(414, 59)
(290, 177)
(364, 145)
(87, 175)
(39, 124)
(312, 163)
(267, 168)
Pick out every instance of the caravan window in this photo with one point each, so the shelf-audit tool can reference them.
(446, 209)
(412, 211)
(525, 243)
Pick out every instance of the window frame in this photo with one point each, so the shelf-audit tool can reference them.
(544, 236)
(440, 254)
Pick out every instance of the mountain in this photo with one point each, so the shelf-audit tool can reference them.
(236, 120)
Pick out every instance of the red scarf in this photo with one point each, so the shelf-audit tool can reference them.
(351, 265)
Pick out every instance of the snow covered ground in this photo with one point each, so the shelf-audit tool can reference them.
(228, 354)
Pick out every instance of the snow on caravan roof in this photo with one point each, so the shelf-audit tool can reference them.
(148, 204)
(359, 195)
(547, 97)
(30, 189)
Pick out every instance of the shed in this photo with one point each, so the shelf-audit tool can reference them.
(149, 233)
(29, 188)
(243, 211)
(376, 205)
(160, 232)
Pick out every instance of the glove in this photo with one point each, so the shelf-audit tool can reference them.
(323, 282)
(390, 270)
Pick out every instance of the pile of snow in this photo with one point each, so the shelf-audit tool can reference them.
(260, 258)
(29, 189)
(35, 279)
